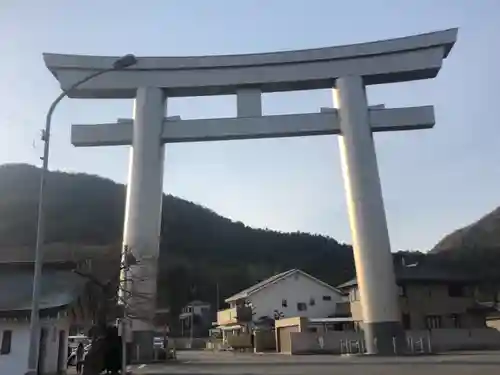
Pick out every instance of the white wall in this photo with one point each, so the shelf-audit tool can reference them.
(16, 362)
(52, 344)
(195, 309)
(199, 309)
(295, 288)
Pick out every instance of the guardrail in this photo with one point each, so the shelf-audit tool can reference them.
(420, 345)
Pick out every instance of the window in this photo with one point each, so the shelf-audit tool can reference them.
(406, 321)
(354, 295)
(284, 303)
(433, 322)
(301, 306)
(6, 342)
(312, 302)
(455, 318)
(357, 327)
(402, 290)
(328, 327)
(337, 327)
(456, 290)
(327, 298)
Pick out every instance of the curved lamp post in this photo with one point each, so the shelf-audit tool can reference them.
(121, 63)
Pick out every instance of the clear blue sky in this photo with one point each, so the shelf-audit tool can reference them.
(433, 181)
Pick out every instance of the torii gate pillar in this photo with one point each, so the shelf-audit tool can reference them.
(367, 219)
(142, 225)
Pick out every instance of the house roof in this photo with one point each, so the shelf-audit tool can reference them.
(59, 288)
(274, 279)
(422, 273)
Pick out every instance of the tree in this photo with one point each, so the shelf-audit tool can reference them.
(106, 349)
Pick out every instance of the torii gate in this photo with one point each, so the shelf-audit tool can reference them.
(346, 69)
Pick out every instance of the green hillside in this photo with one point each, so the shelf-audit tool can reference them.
(482, 234)
(199, 249)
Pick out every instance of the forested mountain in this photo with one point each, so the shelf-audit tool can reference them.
(482, 234)
(476, 249)
(199, 249)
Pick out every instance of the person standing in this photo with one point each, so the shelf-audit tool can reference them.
(80, 354)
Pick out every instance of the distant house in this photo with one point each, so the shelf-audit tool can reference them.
(293, 293)
(196, 319)
(429, 298)
(162, 320)
(61, 305)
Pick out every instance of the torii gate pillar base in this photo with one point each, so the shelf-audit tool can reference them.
(142, 346)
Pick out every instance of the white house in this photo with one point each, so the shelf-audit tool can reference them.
(59, 295)
(195, 318)
(292, 293)
(15, 341)
(195, 307)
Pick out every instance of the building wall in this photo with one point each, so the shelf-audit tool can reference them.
(420, 301)
(198, 309)
(439, 340)
(52, 344)
(295, 289)
(493, 323)
(182, 343)
(16, 362)
(265, 341)
(311, 343)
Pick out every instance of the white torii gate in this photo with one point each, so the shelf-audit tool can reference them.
(346, 69)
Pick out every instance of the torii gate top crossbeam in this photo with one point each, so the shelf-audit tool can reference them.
(393, 60)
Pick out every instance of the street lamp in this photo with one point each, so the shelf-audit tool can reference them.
(121, 63)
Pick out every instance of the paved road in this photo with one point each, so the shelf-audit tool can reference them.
(208, 363)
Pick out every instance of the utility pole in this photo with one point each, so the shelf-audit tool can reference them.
(217, 297)
(191, 329)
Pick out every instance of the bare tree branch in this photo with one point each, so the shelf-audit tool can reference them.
(119, 289)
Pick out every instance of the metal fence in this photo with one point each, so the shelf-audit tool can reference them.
(419, 345)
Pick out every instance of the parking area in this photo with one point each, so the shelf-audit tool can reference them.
(206, 362)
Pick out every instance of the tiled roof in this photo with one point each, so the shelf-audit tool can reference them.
(422, 273)
(59, 288)
(56, 252)
(246, 292)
